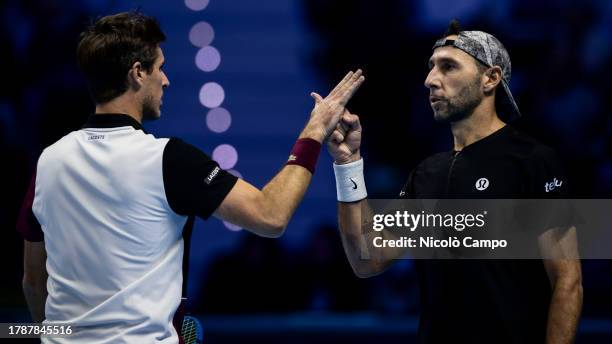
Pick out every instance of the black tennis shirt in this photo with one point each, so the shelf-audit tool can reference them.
(486, 301)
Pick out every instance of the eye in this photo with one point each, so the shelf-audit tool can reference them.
(448, 66)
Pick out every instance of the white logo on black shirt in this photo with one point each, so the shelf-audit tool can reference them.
(552, 185)
(212, 175)
(482, 184)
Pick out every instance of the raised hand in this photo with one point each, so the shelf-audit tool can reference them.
(345, 140)
(327, 111)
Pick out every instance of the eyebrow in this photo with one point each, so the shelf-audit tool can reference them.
(441, 60)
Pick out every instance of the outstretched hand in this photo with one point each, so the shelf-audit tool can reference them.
(327, 111)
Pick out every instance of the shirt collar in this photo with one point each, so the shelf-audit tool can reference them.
(112, 120)
(487, 142)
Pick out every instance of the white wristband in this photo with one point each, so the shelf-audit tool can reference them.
(350, 186)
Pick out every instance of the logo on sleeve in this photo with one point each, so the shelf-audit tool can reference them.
(550, 186)
(292, 158)
(212, 175)
(482, 184)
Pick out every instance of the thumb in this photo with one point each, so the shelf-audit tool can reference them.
(316, 97)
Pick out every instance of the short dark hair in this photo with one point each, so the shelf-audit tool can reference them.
(109, 47)
(454, 28)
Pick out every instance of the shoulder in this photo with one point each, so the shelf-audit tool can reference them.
(529, 146)
(180, 151)
(536, 153)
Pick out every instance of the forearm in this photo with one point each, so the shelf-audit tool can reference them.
(284, 192)
(286, 189)
(564, 313)
(35, 278)
(354, 239)
(355, 222)
(36, 296)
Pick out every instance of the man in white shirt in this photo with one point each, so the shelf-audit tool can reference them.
(106, 211)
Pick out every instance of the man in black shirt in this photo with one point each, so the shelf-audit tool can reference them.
(473, 301)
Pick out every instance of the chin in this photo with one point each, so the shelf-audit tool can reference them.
(440, 117)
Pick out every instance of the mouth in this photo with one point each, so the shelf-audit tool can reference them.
(433, 100)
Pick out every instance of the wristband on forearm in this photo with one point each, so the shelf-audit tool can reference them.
(350, 185)
(305, 153)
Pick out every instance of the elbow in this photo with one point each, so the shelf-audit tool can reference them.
(362, 273)
(570, 287)
(273, 228)
(577, 288)
(365, 270)
(276, 231)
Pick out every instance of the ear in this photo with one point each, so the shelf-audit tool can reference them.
(136, 75)
(492, 77)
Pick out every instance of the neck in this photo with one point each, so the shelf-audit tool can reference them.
(125, 104)
(481, 123)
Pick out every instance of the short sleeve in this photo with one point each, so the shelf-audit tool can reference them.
(549, 182)
(194, 183)
(27, 224)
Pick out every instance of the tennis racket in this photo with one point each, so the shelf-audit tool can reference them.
(191, 331)
(191, 328)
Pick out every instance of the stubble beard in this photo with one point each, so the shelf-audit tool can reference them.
(460, 106)
(150, 111)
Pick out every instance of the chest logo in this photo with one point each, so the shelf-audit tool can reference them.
(482, 184)
(555, 183)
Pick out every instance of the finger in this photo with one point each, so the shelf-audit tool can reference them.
(345, 128)
(352, 122)
(337, 137)
(316, 97)
(346, 115)
(341, 128)
(351, 80)
(346, 78)
(350, 88)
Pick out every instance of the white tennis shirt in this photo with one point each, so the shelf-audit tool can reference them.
(112, 202)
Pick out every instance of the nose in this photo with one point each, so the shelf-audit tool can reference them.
(165, 81)
(432, 80)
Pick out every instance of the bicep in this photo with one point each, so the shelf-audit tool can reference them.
(245, 206)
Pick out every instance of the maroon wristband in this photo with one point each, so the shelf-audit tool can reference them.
(305, 153)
